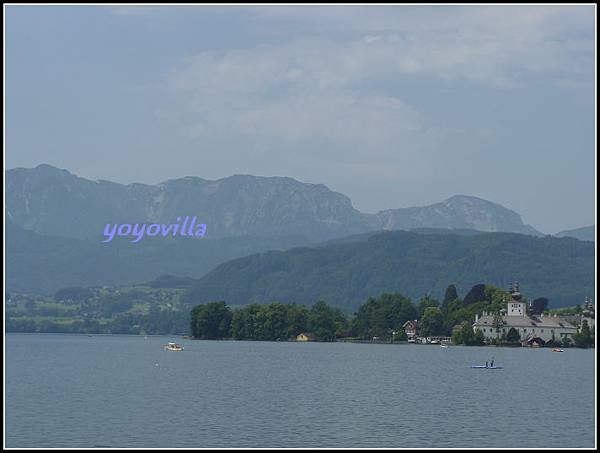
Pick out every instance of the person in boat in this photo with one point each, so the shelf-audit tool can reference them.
(492, 364)
(486, 364)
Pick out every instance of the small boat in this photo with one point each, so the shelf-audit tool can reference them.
(173, 347)
(558, 350)
(489, 367)
(443, 345)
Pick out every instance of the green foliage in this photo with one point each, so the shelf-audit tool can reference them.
(513, 336)
(171, 281)
(583, 338)
(276, 321)
(75, 294)
(465, 335)
(497, 322)
(478, 339)
(323, 321)
(270, 322)
(381, 316)
(432, 322)
(566, 342)
(44, 264)
(425, 303)
(346, 274)
(496, 297)
(539, 305)
(476, 294)
(449, 296)
(123, 310)
(400, 335)
(211, 321)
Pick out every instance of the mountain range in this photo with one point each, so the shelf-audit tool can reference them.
(55, 222)
(51, 201)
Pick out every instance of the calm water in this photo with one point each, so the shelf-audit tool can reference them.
(125, 391)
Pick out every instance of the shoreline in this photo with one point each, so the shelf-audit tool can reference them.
(395, 343)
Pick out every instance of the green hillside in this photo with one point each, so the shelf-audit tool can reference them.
(346, 274)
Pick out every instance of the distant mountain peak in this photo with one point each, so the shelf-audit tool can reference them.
(49, 200)
(587, 233)
(457, 212)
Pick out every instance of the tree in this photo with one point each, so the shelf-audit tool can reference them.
(566, 342)
(211, 321)
(464, 335)
(424, 303)
(497, 323)
(583, 338)
(322, 321)
(379, 317)
(400, 335)
(297, 318)
(478, 338)
(432, 322)
(450, 296)
(73, 294)
(539, 305)
(476, 294)
(513, 336)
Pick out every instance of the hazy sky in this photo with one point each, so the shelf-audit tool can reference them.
(394, 106)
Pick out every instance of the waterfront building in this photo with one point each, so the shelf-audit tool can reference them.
(305, 337)
(531, 328)
(410, 328)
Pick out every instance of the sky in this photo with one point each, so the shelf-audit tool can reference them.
(393, 106)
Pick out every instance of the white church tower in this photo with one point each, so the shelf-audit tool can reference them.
(516, 307)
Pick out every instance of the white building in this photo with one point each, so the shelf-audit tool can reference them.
(528, 327)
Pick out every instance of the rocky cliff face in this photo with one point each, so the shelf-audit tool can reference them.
(51, 201)
(460, 212)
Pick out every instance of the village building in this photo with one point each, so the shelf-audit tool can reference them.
(304, 336)
(533, 330)
(587, 314)
(410, 328)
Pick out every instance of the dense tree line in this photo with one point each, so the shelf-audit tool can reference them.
(380, 318)
(267, 322)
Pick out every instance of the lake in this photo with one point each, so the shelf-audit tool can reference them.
(126, 391)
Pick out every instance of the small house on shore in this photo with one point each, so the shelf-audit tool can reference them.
(410, 328)
(305, 336)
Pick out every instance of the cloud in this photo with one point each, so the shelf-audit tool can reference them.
(135, 10)
(293, 95)
(326, 85)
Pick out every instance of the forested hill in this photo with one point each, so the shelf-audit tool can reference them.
(345, 274)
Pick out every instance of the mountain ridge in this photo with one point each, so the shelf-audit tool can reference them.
(586, 233)
(345, 274)
(54, 201)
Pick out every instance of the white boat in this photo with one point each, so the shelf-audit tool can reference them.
(173, 347)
